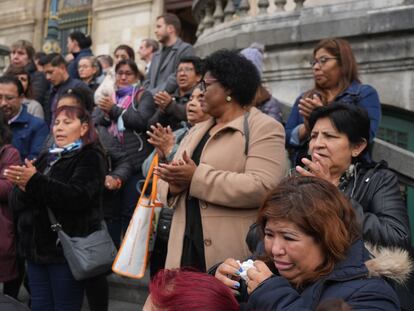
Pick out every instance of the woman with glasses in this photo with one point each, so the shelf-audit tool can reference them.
(89, 70)
(336, 79)
(223, 169)
(110, 113)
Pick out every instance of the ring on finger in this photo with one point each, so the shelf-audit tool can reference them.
(18, 178)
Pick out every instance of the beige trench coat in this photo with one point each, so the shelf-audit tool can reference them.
(230, 185)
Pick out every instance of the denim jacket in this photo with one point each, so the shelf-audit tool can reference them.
(359, 94)
(29, 133)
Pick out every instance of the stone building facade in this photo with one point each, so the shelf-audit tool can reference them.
(109, 22)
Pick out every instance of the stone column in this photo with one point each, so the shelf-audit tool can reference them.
(218, 13)
(229, 11)
(243, 8)
(280, 5)
(263, 5)
(299, 4)
(208, 20)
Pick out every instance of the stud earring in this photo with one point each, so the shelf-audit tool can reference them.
(228, 98)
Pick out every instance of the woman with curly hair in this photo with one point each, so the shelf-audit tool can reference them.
(223, 168)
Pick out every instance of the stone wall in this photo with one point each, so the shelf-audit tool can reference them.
(381, 34)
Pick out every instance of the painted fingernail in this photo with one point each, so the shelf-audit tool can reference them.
(237, 272)
(236, 285)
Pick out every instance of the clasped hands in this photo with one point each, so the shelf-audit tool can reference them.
(105, 104)
(20, 174)
(162, 100)
(229, 274)
(307, 105)
(178, 173)
(163, 140)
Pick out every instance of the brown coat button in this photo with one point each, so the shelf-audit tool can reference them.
(207, 242)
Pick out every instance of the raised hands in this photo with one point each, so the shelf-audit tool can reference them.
(105, 104)
(229, 274)
(178, 174)
(307, 105)
(259, 273)
(162, 99)
(317, 168)
(162, 138)
(20, 174)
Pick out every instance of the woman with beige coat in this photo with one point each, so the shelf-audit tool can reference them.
(223, 169)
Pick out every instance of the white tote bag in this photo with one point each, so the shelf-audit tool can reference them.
(132, 257)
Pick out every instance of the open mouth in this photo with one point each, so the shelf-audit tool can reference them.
(281, 265)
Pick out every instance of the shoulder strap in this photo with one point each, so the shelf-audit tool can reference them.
(246, 132)
(55, 226)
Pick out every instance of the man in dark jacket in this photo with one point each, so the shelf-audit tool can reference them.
(161, 75)
(57, 74)
(29, 132)
(79, 45)
(21, 55)
(171, 108)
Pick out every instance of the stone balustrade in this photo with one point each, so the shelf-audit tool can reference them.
(211, 13)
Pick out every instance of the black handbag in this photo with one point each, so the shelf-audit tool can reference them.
(87, 256)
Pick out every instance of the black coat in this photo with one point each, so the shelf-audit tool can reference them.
(72, 189)
(376, 197)
(39, 84)
(135, 119)
(174, 114)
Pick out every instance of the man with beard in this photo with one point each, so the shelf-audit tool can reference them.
(161, 75)
(171, 109)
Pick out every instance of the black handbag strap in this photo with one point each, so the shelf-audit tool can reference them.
(55, 225)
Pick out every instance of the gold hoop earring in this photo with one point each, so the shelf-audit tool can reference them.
(228, 98)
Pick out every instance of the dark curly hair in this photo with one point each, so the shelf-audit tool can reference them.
(235, 73)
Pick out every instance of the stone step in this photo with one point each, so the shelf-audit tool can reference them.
(128, 290)
(125, 294)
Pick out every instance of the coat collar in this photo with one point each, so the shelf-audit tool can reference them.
(353, 265)
(23, 116)
(353, 89)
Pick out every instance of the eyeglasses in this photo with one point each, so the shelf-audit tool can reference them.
(124, 73)
(321, 61)
(185, 69)
(204, 84)
(7, 98)
(84, 67)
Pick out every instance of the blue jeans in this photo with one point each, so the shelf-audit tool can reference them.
(129, 199)
(53, 288)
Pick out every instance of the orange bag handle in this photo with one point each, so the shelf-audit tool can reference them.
(153, 196)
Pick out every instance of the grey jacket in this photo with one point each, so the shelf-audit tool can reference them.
(166, 78)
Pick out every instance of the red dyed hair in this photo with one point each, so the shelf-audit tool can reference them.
(183, 290)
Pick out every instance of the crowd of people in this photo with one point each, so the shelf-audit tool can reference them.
(326, 226)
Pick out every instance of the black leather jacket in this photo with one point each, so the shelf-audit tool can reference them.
(375, 194)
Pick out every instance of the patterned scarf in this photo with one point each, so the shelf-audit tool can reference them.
(123, 98)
